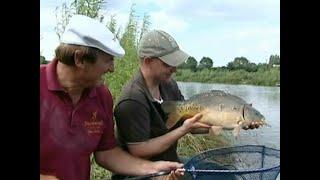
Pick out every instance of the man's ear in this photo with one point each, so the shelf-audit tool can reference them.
(78, 60)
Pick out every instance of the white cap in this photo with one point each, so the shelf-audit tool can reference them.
(86, 31)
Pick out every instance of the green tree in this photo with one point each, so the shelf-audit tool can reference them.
(205, 62)
(89, 8)
(262, 67)
(112, 25)
(145, 25)
(129, 64)
(128, 38)
(274, 59)
(63, 14)
(251, 67)
(241, 63)
(230, 66)
(191, 64)
(43, 60)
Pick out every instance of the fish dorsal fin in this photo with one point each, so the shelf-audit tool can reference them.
(169, 106)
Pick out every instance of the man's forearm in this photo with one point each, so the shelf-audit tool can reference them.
(47, 177)
(121, 162)
(157, 145)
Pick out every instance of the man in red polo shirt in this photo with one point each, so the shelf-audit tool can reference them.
(76, 108)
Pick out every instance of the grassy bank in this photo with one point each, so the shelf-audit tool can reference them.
(268, 77)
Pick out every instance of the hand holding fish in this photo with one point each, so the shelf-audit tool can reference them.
(193, 123)
(252, 125)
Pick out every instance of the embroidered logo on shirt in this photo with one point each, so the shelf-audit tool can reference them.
(94, 125)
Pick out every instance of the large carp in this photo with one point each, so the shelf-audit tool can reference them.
(220, 110)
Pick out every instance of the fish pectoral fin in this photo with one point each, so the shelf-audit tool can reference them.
(215, 130)
(172, 120)
(236, 130)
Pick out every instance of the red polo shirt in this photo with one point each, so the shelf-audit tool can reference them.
(70, 133)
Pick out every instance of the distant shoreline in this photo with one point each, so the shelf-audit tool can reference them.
(269, 77)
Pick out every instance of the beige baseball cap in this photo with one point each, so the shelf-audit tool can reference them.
(157, 43)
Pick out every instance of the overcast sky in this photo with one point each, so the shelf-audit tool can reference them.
(219, 29)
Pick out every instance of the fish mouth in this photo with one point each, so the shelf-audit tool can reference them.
(243, 117)
(264, 122)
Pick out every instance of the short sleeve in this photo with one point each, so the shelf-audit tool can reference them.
(108, 140)
(133, 121)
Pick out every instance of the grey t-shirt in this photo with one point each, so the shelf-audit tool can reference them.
(139, 116)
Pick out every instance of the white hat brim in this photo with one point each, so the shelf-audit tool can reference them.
(85, 31)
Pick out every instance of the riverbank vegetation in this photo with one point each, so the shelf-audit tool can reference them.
(267, 77)
(129, 37)
(239, 71)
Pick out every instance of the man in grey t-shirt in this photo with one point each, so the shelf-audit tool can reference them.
(141, 123)
(140, 120)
